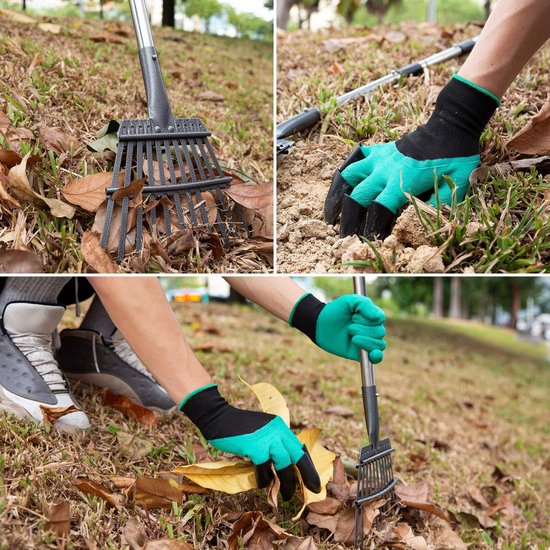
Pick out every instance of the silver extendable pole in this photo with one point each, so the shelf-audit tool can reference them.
(140, 17)
(367, 370)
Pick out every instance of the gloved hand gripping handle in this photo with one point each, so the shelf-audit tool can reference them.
(157, 98)
(368, 387)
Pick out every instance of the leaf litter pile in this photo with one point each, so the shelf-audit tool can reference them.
(62, 89)
(503, 224)
(469, 429)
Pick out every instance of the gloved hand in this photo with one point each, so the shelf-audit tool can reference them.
(262, 437)
(343, 327)
(447, 146)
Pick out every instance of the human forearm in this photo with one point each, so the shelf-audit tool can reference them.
(275, 294)
(513, 33)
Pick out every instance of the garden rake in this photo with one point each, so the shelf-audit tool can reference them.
(374, 471)
(168, 164)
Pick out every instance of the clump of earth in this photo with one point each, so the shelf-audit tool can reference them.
(306, 244)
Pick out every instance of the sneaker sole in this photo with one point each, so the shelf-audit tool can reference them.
(9, 407)
(114, 384)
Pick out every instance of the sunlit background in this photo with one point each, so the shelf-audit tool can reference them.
(237, 18)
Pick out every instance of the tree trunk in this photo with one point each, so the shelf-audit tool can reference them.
(455, 310)
(437, 309)
(515, 306)
(168, 13)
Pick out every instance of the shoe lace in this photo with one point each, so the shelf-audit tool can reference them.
(37, 348)
(121, 347)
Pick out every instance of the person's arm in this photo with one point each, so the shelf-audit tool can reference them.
(275, 294)
(514, 31)
(342, 327)
(140, 310)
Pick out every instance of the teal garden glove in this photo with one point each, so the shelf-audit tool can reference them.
(446, 147)
(343, 327)
(262, 437)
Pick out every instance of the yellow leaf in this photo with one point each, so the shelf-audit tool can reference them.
(323, 460)
(229, 477)
(21, 187)
(237, 477)
(271, 400)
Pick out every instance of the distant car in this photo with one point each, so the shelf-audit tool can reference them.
(188, 295)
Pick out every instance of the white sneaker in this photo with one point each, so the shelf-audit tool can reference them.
(29, 374)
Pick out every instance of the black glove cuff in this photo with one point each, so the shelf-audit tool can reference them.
(216, 418)
(457, 122)
(305, 315)
(203, 408)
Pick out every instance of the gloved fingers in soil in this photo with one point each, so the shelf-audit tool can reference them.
(434, 161)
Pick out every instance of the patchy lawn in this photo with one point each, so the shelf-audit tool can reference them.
(466, 415)
(87, 74)
(503, 225)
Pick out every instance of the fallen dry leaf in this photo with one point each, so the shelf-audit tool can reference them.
(323, 521)
(58, 140)
(94, 255)
(90, 487)
(20, 261)
(106, 37)
(340, 410)
(133, 446)
(252, 530)
(50, 27)
(134, 534)
(59, 518)
(329, 506)
(228, 477)
(296, 543)
(22, 189)
(51, 414)
(10, 158)
(256, 196)
(209, 95)
(116, 221)
(534, 137)
(88, 192)
(167, 544)
(156, 492)
(4, 122)
(345, 527)
(417, 496)
(125, 405)
(323, 460)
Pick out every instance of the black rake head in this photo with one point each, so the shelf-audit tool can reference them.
(374, 481)
(170, 180)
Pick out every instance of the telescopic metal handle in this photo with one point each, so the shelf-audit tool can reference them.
(157, 98)
(370, 397)
(142, 27)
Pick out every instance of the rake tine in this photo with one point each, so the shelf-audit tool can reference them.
(139, 211)
(111, 203)
(198, 163)
(202, 210)
(125, 203)
(214, 158)
(162, 179)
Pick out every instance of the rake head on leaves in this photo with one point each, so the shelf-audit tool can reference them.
(165, 179)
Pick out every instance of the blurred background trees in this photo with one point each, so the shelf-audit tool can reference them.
(293, 13)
